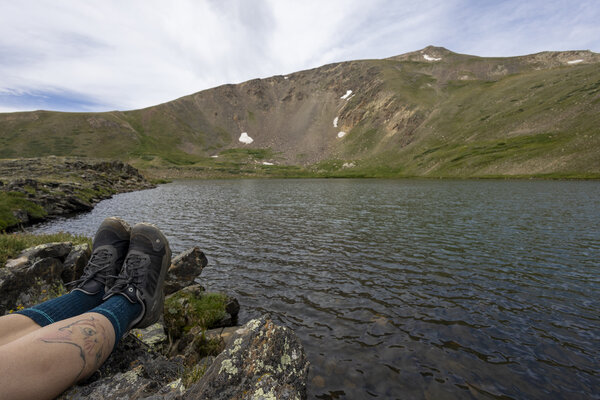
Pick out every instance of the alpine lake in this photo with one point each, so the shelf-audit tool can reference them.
(433, 289)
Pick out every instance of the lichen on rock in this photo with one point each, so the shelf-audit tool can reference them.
(263, 360)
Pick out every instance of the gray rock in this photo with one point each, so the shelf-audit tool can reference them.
(33, 277)
(58, 250)
(184, 269)
(153, 336)
(28, 283)
(75, 262)
(263, 360)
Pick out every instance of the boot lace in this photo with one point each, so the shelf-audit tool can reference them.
(96, 268)
(132, 273)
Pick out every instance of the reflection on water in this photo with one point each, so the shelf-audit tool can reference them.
(402, 289)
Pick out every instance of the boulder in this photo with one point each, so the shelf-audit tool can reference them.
(263, 360)
(186, 267)
(58, 250)
(33, 277)
(75, 262)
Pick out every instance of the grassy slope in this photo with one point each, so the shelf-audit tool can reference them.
(542, 123)
(408, 117)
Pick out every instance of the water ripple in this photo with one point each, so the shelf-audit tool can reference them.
(402, 289)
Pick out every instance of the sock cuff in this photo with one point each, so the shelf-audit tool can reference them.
(38, 316)
(63, 307)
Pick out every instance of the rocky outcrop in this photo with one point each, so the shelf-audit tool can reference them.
(64, 186)
(192, 353)
(263, 361)
(40, 273)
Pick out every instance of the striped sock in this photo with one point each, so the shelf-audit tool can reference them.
(63, 307)
(120, 312)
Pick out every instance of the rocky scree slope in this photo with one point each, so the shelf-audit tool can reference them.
(427, 113)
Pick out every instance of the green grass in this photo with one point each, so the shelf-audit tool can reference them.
(246, 153)
(11, 244)
(11, 202)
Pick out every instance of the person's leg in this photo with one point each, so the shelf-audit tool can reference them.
(45, 362)
(110, 247)
(14, 326)
(48, 360)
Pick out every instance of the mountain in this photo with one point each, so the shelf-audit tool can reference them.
(430, 113)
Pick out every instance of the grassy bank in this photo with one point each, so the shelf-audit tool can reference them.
(12, 203)
(11, 244)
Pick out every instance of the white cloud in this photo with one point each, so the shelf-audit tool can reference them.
(123, 55)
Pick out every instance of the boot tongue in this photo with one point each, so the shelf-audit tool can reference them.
(92, 287)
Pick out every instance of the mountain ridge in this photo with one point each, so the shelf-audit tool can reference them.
(431, 112)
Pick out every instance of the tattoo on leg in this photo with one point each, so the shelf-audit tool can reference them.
(86, 335)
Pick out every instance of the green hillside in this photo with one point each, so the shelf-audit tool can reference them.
(428, 113)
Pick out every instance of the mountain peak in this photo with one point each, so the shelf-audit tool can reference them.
(429, 53)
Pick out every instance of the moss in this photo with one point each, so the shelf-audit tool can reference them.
(11, 202)
(184, 310)
(12, 244)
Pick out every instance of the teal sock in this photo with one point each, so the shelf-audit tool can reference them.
(63, 307)
(120, 312)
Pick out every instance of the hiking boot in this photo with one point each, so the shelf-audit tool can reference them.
(109, 248)
(143, 274)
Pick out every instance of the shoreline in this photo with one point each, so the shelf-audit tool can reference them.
(163, 176)
(34, 190)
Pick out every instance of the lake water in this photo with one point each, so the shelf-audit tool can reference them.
(402, 288)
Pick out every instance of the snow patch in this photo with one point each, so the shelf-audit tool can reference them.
(348, 93)
(214, 156)
(574, 61)
(244, 138)
(285, 77)
(429, 58)
(267, 163)
(341, 134)
(335, 120)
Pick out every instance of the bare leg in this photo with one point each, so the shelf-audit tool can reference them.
(14, 326)
(47, 361)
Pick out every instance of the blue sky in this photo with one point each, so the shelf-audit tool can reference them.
(99, 55)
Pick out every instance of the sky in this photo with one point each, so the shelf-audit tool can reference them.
(101, 55)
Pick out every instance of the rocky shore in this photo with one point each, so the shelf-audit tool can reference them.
(194, 352)
(35, 189)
